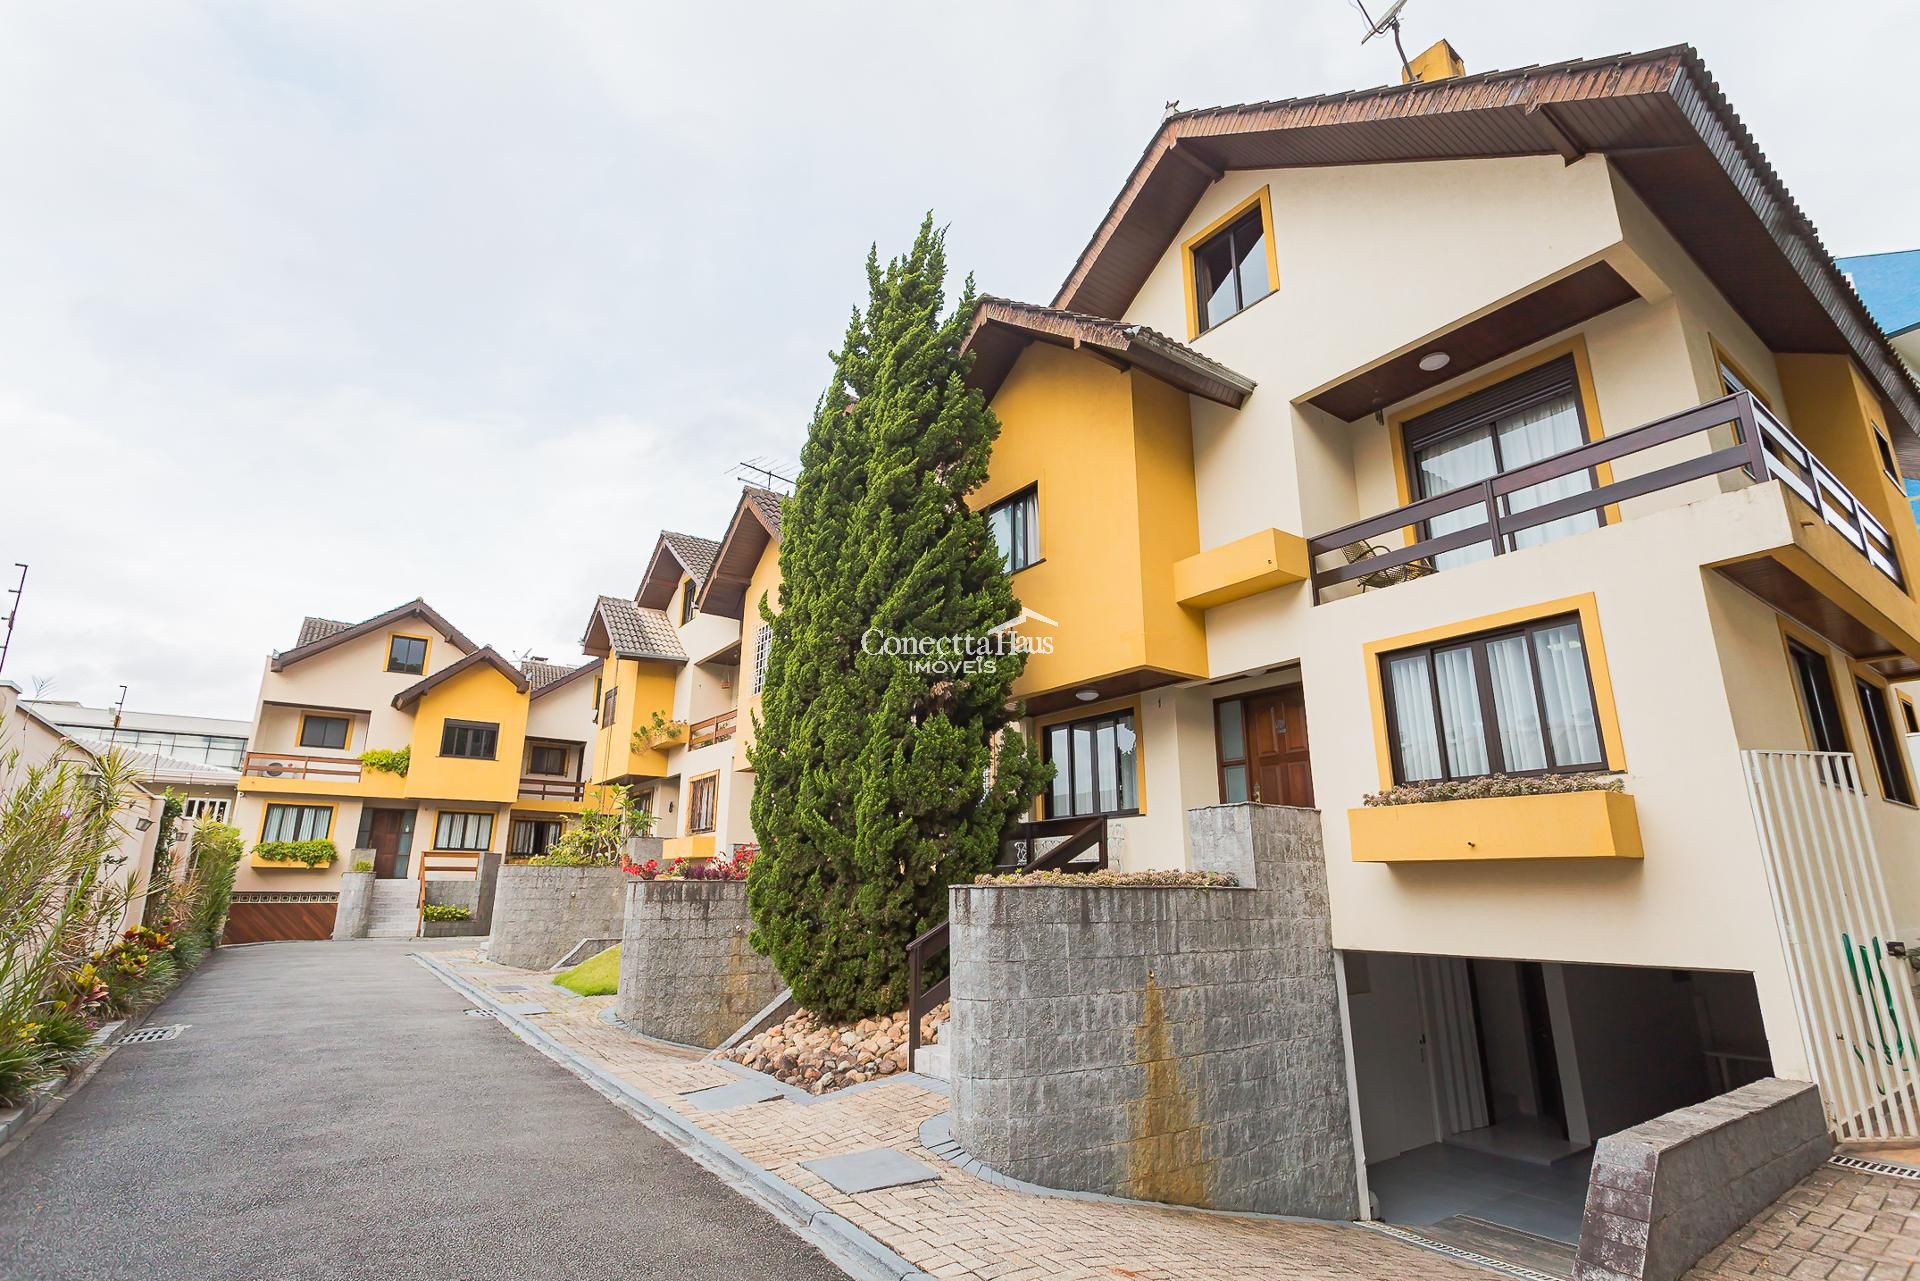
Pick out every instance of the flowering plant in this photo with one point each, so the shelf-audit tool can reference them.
(1492, 785)
(646, 871)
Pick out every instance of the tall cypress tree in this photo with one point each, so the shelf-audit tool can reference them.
(878, 785)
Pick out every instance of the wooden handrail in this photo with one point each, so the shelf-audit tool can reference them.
(714, 729)
(552, 789)
(1767, 451)
(294, 765)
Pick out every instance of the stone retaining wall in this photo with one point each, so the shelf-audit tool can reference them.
(1667, 1191)
(687, 973)
(540, 913)
(355, 905)
(1168, 1044)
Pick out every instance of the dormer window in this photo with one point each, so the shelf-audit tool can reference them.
(1232, 265)
(687, 606)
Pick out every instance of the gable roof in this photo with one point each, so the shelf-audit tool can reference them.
(486, 656)
(313, 629)
(548, 677)
(755, 526)
(415, 608)
(694, 556)
(619, 628)
(1002, 328)
(1659, 117)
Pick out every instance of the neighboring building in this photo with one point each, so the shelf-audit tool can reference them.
(682, 664)
(498, 758)
(196, 757)
(1889, 284)
(1271, 575)
(28, 739)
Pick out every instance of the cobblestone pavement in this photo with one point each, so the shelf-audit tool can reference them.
(1837, 1224)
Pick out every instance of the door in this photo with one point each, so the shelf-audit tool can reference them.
(384, 836)
(1277, 747)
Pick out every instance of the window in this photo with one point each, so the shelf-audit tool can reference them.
(1815, 678)
(456, 830)
(688, 606)
(1095, 764)
(297, 823)
(195, 808)
(1230, 733)
(407, 654)
(1507, 702)
(323, 731)
(702, 795)
(1887, 757)
(1230, 269)
(1015, 525)
(762, 647)
(607, 702)
(476, 740)
(547, 760)
(530, 836)
(1887, 464)
(1912, 717)
(1530, 416)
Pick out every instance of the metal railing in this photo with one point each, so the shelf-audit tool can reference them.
(1766, 450)
(1082, 834)
(292, 765)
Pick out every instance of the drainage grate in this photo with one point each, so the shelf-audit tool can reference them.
(1455, 1252)
(1865, 1166)
(148, 1035)
(478, 1014)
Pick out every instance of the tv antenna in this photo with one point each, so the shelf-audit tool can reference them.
(119, 709)
(764, 472)
(6, 641)
(1389, 22)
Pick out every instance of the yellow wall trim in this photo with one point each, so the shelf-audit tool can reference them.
(1556, 826)
(1262, 198)
(1244, 567)
(1588, 609)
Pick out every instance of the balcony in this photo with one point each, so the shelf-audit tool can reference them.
(715, 729)
(1766, 450)
(552, 789)
(287, 765)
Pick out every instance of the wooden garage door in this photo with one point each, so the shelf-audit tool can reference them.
(269, 922)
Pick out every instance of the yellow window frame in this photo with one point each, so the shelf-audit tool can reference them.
(1262, 198)
(1791, 631)
(426, 652)
(1893, 699)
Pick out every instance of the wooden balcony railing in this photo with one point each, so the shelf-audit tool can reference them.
(714, 729)
(291, 765)
(552, 789)
(1082, 834)
(1766, 451)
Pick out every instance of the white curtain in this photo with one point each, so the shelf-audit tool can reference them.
(1464, 727)
(1413, 719)
(1549, 428)
(1449, 464)
(1563, 678)
(1521, 745)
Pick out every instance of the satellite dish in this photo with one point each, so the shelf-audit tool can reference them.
(1389, 22)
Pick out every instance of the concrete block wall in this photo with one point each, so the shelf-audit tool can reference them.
(1665, 1192)
(1167, 1044)
(355, 905)
(540, 913)
(687, 973)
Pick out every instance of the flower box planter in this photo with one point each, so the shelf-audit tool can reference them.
(1555, 825)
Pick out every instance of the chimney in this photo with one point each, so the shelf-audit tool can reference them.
(1437, 62)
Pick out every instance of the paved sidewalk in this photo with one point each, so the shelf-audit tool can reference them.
(961, 1226)
(1841, 1225)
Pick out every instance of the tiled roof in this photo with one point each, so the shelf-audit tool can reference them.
(1002, 327)
(634, 632)
(486, 655)
(313, 629)
(332, 633)
(694, 553)
(541, 673)
(768, 504)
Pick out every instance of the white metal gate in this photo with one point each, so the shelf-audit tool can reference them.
(1855, 1001)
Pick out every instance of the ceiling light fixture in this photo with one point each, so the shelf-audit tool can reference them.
(1435, 361)
(1086, 695)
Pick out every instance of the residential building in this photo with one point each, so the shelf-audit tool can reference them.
(1501, 424)
(1889, 285)
(682, 663)
(30, 739)
(196, 757)
(497, 760)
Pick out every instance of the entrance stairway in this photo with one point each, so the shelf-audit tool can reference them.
(395, 912)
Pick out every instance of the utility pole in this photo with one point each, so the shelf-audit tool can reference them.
(6, 640)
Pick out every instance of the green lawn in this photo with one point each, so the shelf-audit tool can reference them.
(598, 975)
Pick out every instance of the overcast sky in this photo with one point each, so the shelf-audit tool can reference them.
(316, 311)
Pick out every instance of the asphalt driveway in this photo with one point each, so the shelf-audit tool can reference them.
(331, 1112)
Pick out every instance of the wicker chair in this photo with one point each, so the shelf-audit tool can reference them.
(1388, 576)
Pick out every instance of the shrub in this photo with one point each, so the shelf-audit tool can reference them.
(446, 912)
(1113, 876)
(734, 868)
(387, 761)
(599, 836)
(363, 865)
(1474, 789)
(214, 854)
(311, 853)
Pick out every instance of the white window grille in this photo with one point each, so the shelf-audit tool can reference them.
(762, 646)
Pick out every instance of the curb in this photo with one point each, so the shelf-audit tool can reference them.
(856, 1251)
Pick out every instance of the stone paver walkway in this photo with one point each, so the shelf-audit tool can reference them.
(1837, 1224)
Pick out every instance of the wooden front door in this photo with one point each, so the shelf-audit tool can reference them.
(384, 836)
(1277, 747)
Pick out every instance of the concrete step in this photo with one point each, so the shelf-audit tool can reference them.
(933, 1060)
